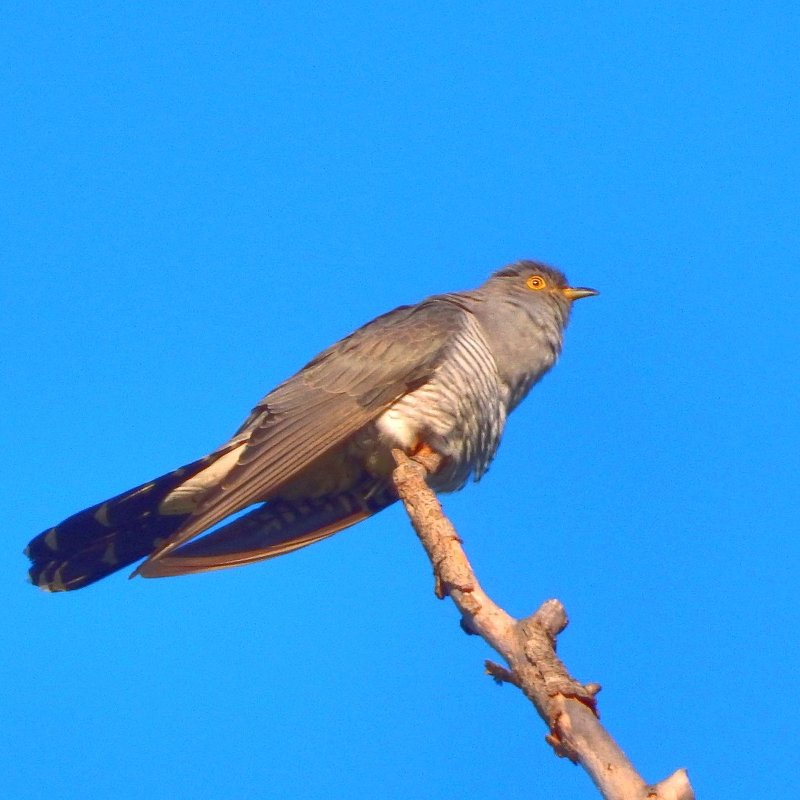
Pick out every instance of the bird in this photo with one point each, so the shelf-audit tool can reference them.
(315, 454)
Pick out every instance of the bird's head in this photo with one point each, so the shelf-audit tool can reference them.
(523, 311)
(535, 284)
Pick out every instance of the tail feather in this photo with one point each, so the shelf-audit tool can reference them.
(111, 535)
(108, 536)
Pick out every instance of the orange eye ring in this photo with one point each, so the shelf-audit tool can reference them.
(536, 282)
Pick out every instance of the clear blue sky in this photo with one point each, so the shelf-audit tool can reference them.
(194, 200)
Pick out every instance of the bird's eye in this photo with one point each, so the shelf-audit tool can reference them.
(536, 282)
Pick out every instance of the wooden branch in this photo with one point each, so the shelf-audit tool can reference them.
(528, 646)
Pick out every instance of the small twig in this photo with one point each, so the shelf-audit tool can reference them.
(568, 707)
(500, 674)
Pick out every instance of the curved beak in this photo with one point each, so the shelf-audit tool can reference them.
(575, 293)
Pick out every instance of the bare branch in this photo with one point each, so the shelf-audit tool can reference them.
(568, 707)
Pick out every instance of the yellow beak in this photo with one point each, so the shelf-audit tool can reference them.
(575, 293)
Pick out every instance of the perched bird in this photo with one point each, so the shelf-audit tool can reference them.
(315, 453)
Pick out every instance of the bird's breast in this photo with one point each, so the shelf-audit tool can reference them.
(459, 412)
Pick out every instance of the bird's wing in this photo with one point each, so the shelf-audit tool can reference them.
(336, 394)
(273, 529)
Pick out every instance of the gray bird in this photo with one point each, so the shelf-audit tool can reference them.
(315, 453)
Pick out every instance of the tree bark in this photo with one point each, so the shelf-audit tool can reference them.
(528, 646)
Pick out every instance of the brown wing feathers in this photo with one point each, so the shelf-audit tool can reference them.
(271, 530)
(331, 398)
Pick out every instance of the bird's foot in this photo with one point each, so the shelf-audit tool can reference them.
(425, 455)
